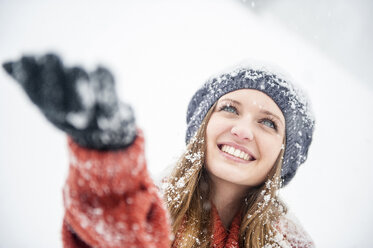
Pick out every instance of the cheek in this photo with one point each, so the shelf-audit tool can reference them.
(213, 129)
(217, 124)
(269, 150)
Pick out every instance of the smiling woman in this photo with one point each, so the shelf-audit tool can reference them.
(248, 132)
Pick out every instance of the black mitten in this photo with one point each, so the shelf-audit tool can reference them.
(84, 105)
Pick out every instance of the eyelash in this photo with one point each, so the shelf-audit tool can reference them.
(273, 122)
(226, 106)
(235, 111)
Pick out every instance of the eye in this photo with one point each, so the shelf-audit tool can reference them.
(229, 108)
(269, 123)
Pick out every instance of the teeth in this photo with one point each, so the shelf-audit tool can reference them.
(242, 155)
(235, 152)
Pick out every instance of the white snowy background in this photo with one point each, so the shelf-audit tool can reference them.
(161, 51)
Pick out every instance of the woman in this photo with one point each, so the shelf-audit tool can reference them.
(237, 161)
(248, 131)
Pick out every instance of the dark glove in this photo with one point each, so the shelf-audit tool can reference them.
(83, 105)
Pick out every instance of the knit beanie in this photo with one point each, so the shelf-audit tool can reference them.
(299, 121)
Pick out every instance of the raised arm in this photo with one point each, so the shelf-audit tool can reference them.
(109, 198)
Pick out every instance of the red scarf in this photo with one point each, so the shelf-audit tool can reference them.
(221, 237)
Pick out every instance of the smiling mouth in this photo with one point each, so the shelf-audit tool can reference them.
(237, 153)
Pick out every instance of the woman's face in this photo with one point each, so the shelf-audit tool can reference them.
(244, 137)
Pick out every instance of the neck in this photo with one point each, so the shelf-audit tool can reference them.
(227, 198)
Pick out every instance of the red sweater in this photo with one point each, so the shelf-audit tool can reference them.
(111, 202)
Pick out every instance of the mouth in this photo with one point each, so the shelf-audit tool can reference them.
(236, 152)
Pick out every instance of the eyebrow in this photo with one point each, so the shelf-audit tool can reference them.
(263, 111)
(231, 100)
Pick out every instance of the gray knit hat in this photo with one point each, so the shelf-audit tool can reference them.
(299, 121)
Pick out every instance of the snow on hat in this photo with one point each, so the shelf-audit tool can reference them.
(299, 121)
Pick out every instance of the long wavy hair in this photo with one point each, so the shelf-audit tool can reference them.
(187, 194)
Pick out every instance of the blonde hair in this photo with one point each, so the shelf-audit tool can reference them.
(187, 194)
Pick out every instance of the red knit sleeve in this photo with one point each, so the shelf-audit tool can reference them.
(111, 201)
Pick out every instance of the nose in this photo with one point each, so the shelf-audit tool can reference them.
(242, 131)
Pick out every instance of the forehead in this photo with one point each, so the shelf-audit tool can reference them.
(251, 98)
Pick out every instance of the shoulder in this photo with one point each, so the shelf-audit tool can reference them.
(293, 233)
